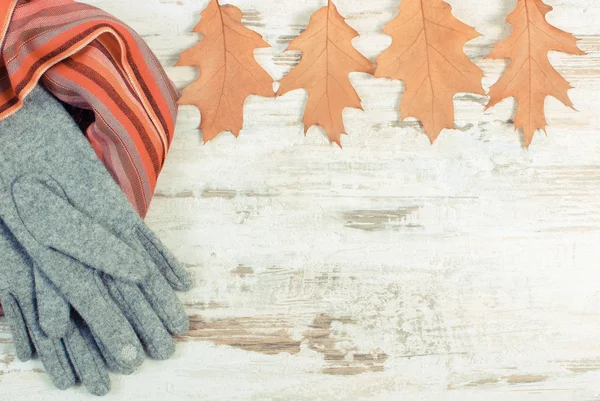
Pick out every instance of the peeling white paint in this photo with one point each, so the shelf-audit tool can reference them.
(467, 270)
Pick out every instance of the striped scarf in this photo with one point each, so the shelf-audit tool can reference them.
(110, 80)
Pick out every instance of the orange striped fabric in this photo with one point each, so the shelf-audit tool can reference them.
(104, 72)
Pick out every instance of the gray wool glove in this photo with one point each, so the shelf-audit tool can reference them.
(75, 356)
(83, 236)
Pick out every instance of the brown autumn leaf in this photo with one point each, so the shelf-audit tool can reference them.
(328, 59)
(427, 54)
(228, 71)
(530, 77)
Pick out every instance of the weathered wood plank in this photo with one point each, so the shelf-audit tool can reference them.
(394, 269)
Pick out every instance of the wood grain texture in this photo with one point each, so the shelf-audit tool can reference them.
(392, 269)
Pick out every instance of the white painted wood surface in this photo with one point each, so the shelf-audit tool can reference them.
(391, 270)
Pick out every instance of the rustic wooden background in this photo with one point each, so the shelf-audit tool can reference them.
(391, 270)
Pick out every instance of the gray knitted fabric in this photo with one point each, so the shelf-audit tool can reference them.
(88, 251)
(66, 360)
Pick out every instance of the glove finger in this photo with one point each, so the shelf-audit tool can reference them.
(165, 303)
(51, 351)
(87, 363)
(105, 356)
(55, 359)
(18, 328)
(67, 230)
(84, 289)
(143, 318)
(167, 263)
(54, 312)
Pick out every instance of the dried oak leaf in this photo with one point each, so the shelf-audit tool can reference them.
(427, 54)
(228, 71)
(530, 77)
(328, 59)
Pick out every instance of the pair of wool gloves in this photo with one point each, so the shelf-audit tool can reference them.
(83, 281)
